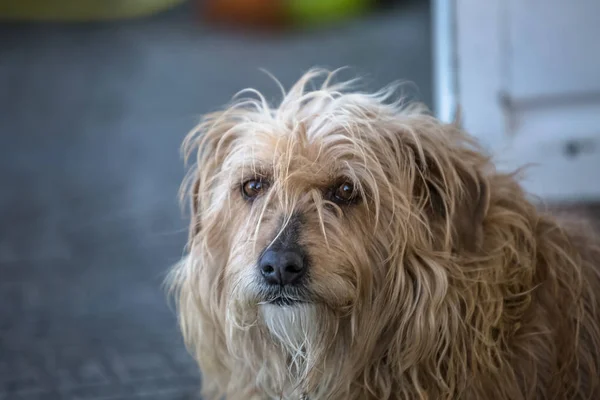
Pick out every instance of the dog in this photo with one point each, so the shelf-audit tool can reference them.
(348, 245)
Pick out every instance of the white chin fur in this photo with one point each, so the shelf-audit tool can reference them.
(291, 325)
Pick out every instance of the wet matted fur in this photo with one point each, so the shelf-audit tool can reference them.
(437, 279)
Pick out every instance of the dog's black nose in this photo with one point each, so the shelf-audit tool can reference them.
(282, 267)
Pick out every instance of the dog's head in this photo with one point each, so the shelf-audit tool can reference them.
(333, 201)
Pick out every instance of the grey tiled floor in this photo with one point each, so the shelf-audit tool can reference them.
(91, 119)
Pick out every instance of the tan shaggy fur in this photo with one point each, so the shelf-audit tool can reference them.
(443, 282)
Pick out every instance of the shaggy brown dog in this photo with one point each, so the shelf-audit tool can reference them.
(343, 246)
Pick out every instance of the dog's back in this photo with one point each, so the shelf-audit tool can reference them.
(554, 351)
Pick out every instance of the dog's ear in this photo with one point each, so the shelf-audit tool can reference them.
(190, 196)
(456, 201)
(470, 210)
(209, 141)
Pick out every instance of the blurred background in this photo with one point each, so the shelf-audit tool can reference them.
(96, 97)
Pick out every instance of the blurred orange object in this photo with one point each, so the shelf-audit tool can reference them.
(254, 13)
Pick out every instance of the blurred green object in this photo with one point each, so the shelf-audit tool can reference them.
(323, 11)
(81, 10)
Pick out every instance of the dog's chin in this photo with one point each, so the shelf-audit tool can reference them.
(291, 325)
(288, 314)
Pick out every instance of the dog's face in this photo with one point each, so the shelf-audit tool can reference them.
(299, 212)
(298, 217)
(329, 219)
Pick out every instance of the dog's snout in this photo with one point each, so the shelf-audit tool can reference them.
(282, 267)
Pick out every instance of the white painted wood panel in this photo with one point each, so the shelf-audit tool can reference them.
(554, 47)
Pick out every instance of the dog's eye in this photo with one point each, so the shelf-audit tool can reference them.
(253, 188)
(344, 193)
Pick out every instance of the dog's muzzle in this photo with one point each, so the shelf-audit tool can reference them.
(283, 266)
(283, 274)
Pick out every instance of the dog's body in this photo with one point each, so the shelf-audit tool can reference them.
(346, 248)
